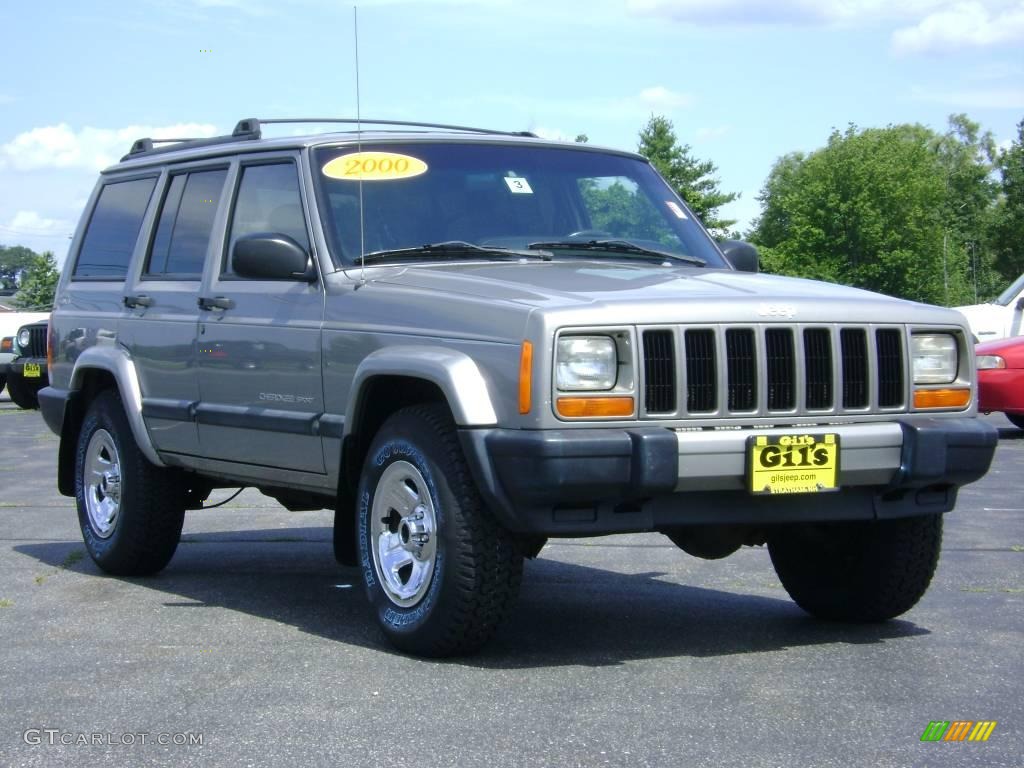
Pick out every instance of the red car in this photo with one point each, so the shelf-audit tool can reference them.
(1001, 378)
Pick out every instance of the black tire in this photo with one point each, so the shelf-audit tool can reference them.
(346, 549)
(1016, 419)
(23, 394)
(477, 567)
(3, 382)
(858, 571)
(150, 504)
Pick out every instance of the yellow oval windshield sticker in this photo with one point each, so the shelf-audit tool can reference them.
(374, 166)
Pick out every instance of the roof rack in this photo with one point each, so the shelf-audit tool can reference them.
(250, 129)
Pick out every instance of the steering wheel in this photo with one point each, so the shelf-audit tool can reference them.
(595, 233)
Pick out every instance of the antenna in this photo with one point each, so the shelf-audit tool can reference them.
(359, 148)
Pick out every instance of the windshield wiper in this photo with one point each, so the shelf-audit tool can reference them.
(615, 246)
(453, 248)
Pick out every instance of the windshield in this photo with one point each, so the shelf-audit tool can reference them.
(1007, 296)
(500, 196)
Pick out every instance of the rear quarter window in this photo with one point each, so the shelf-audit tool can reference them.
(113, 230)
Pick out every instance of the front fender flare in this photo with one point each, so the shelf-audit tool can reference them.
(453, 372)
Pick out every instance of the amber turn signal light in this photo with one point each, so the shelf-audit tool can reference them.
(525, 377)
(7, 344)
(587, 407)
(941, 398)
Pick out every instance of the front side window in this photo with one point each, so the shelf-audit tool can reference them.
(185, 225)
(510, 196)
(113, 230)
(268, 202)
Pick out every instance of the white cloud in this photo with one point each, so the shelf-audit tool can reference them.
(40, 233)
(31, 223)
(781, 11)
(963, 25)
(921, 25)
(660, 97)
(58, 146)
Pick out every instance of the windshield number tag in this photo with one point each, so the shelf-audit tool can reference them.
(374, 166)
(518, 186)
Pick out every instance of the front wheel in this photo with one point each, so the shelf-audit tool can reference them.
(23, 394)
(130, 511)
(439, 570)
(857, 571)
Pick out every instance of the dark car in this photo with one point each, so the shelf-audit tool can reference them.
(1001, 378)
(28, 373)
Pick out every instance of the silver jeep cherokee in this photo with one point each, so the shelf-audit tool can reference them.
(465, 342)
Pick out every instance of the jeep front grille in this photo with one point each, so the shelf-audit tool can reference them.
(660, 372)
(769, 369)
(37, 345)
(701, 374)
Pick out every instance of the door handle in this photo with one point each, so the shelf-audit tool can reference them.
(141, 300)
(217, 302)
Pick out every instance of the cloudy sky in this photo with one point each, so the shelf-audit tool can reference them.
(744, 81)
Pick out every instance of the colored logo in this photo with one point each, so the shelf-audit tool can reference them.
(958, 730)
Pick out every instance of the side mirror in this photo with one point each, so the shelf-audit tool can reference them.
(740, 255)
(271, 256)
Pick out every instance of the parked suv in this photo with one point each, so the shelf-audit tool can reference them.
(27, 372)
(465, 342)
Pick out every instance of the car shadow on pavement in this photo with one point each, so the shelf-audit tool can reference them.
(568, 614)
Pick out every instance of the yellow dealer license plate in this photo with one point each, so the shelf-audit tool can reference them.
(31, 371)
(796, 463)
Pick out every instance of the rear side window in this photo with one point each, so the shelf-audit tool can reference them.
(185, 225)
(113, 230)
(268, 201)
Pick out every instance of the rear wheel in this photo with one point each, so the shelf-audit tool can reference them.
(23, 393)
(439, 570)
(130, 511)
(1017, 419)
(858, 571)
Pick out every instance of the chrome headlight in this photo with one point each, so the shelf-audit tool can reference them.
(935, 358)
(987, 362)
(24, 338)
(585, 363)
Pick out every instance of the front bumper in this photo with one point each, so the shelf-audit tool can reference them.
(597, 481)
(17, 367)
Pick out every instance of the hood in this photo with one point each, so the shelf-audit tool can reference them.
(621, 292)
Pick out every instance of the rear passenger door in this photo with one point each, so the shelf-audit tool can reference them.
(161, 312)
(258, 350)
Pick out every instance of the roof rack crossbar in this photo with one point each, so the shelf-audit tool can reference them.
(250, 129)
(405, 123)
(245, 130)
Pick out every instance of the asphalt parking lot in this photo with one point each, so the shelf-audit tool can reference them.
(623, 651)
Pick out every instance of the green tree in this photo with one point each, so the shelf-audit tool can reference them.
(13, 260)
(967, 156)
(38, 284)
(898, 210)
(1007, 221)
(692, 179)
